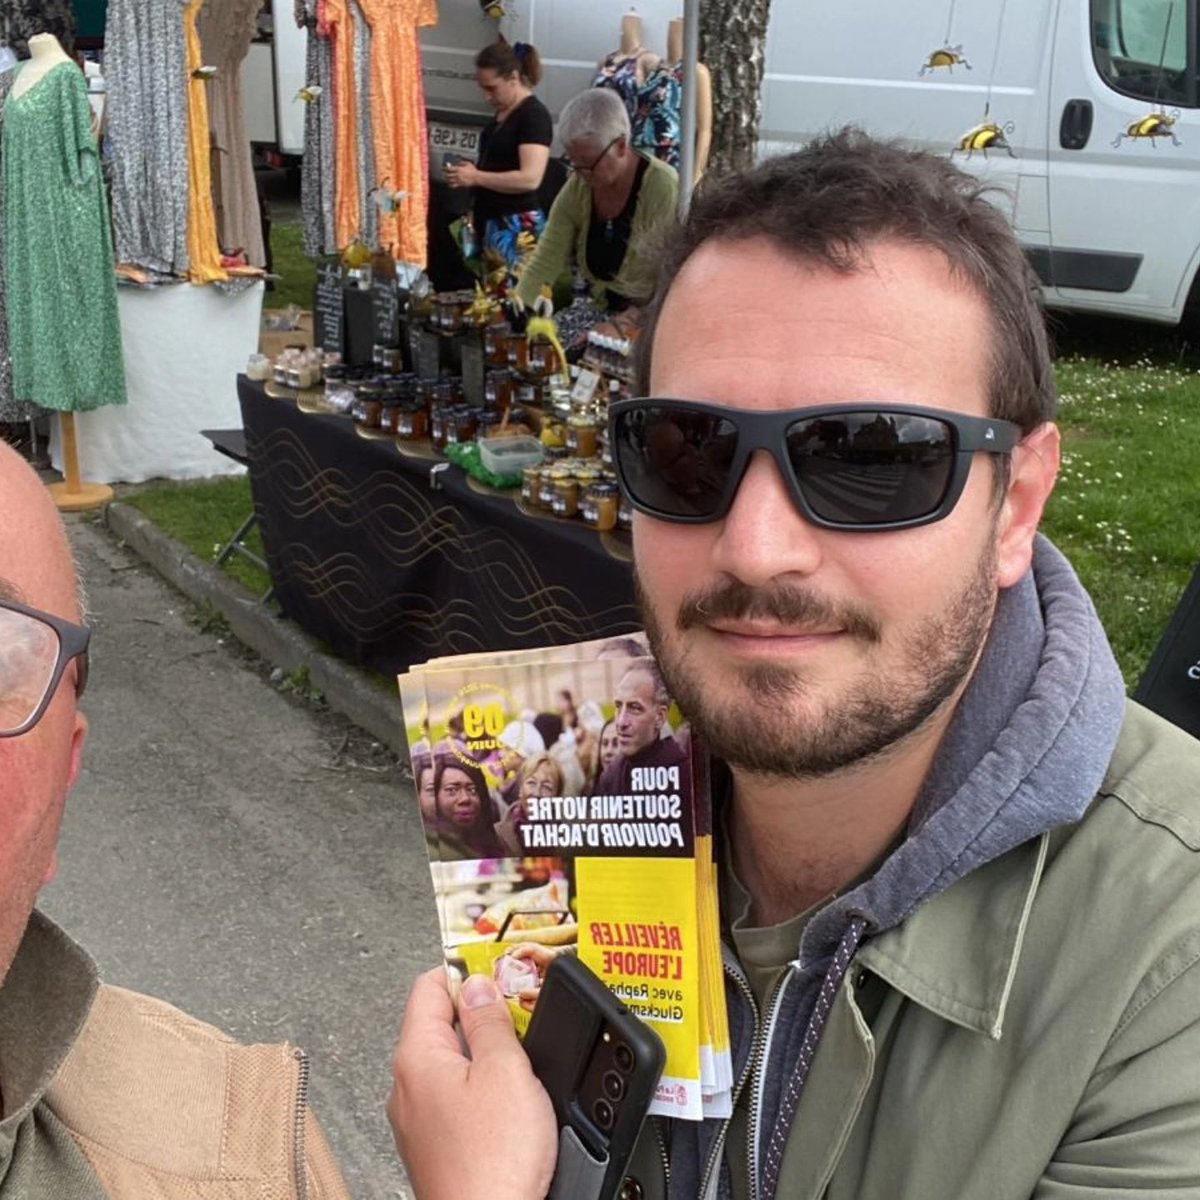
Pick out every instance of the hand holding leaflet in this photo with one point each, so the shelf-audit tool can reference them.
(468, 1124)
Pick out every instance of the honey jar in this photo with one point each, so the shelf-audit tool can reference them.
(565, 501)
(412, 421)
(518, 352)
(543, 358)
(600, 505)
(531, 484)
(495, 345)
(583, 434)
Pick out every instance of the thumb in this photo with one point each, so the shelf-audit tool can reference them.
(486, 1021)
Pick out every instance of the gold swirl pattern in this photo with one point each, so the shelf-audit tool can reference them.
(411, 573)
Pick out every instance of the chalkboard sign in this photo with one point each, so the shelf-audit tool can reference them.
(1171, 684)
(425, 347)
(329, 307)
(473, 367)
(385, 297)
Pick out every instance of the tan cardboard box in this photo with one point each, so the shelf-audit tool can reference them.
(272, 342)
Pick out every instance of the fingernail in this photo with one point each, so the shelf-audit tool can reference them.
(479, 990)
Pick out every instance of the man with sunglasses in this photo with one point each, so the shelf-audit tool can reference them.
(104, 1094)
(960, 884)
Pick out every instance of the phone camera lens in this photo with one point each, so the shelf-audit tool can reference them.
(613, 1084)
(623, 1058)
(602, 1111)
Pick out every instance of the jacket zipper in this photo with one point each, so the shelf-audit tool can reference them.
(714, 1159)
(761, 1047)
(298, 1117)
(661, 1143)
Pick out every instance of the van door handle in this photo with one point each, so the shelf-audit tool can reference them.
(1076, 125)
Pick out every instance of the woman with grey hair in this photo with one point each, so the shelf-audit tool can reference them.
(614, 198)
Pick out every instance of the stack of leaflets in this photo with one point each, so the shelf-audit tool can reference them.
(567, 811)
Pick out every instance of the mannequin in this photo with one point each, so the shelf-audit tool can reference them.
(72, 188)
(45, 53)
(631, 34)
(704, 108)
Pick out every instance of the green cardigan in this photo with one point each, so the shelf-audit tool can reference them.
(566, 232)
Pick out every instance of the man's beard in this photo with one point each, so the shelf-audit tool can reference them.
(753, 726)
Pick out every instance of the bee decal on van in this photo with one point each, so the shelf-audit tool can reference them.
(1156, 125)
(947, 58)
(986, 136)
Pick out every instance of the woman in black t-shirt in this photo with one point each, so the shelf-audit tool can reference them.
(513, 152)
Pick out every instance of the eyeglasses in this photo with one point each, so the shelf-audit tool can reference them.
(35, 648)
(585, 169)
(848, 466)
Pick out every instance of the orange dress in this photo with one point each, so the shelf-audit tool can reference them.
(401, 137)
(335, 22)
(204, 253)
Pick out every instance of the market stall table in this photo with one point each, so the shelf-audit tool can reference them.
(365, 555)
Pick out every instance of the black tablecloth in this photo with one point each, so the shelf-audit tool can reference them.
(388, 572)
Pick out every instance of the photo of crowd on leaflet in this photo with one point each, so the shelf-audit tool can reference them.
(590, 739)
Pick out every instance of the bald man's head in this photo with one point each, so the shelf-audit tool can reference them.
(37, 768)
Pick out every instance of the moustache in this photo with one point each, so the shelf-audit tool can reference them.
(788, 606)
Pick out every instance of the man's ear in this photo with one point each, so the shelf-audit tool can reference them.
(1033, 470)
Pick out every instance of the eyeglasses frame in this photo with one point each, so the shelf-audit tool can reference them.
(72, 644)
(582, 170)
(766, 431)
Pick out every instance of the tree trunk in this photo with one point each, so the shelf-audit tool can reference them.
(733, 36)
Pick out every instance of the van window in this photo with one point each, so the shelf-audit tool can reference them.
(1147, 48)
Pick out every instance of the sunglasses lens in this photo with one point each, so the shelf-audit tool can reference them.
(674, 461)
(872, 468)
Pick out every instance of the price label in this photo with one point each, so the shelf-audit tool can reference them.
(585, 387)
(473, 368)
(329, 308)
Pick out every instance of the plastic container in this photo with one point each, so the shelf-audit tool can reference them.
(510, 455)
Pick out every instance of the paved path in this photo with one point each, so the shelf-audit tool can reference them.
(254, 861)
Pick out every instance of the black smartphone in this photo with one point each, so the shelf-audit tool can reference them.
(598, 1061)
(450, 159)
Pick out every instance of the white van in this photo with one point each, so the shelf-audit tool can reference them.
(1085, 111)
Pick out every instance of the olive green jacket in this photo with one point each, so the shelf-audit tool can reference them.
(1032, 1031)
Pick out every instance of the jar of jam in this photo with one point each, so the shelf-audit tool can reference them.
(461, 423)
(427, 391)
(600, 504)
(543, 358)
(497, 389)
(518, 352)
(528, 393)
(548, 485)
(583, 434)
(438, 420)
(489, 421)
(389, 359)
(412, 421)
(495, 345)
(565, 502)
(367, 412)
(531, 486)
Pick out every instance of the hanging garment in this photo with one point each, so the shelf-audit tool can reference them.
(318, 169)
(11, 410)
(620, 73)
(368, 179)
(334, 20)
(60, 285)
(145, 67)
(204, 255)
(27, 17)
(657, 123)
(401, 136)
(227, 28)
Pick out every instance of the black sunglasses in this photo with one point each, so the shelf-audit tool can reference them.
(849, 466)
(35, 648)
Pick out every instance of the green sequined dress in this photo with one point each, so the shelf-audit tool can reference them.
(64, 332)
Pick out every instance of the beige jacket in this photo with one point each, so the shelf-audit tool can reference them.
(165, 1107)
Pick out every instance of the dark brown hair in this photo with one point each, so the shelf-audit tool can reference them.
(518, 59)
(827, 203)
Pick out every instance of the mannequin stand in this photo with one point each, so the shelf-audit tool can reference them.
(73, 495)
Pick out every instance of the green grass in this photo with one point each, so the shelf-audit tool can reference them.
(203, 516)
(298, 272)
(1125, 508)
